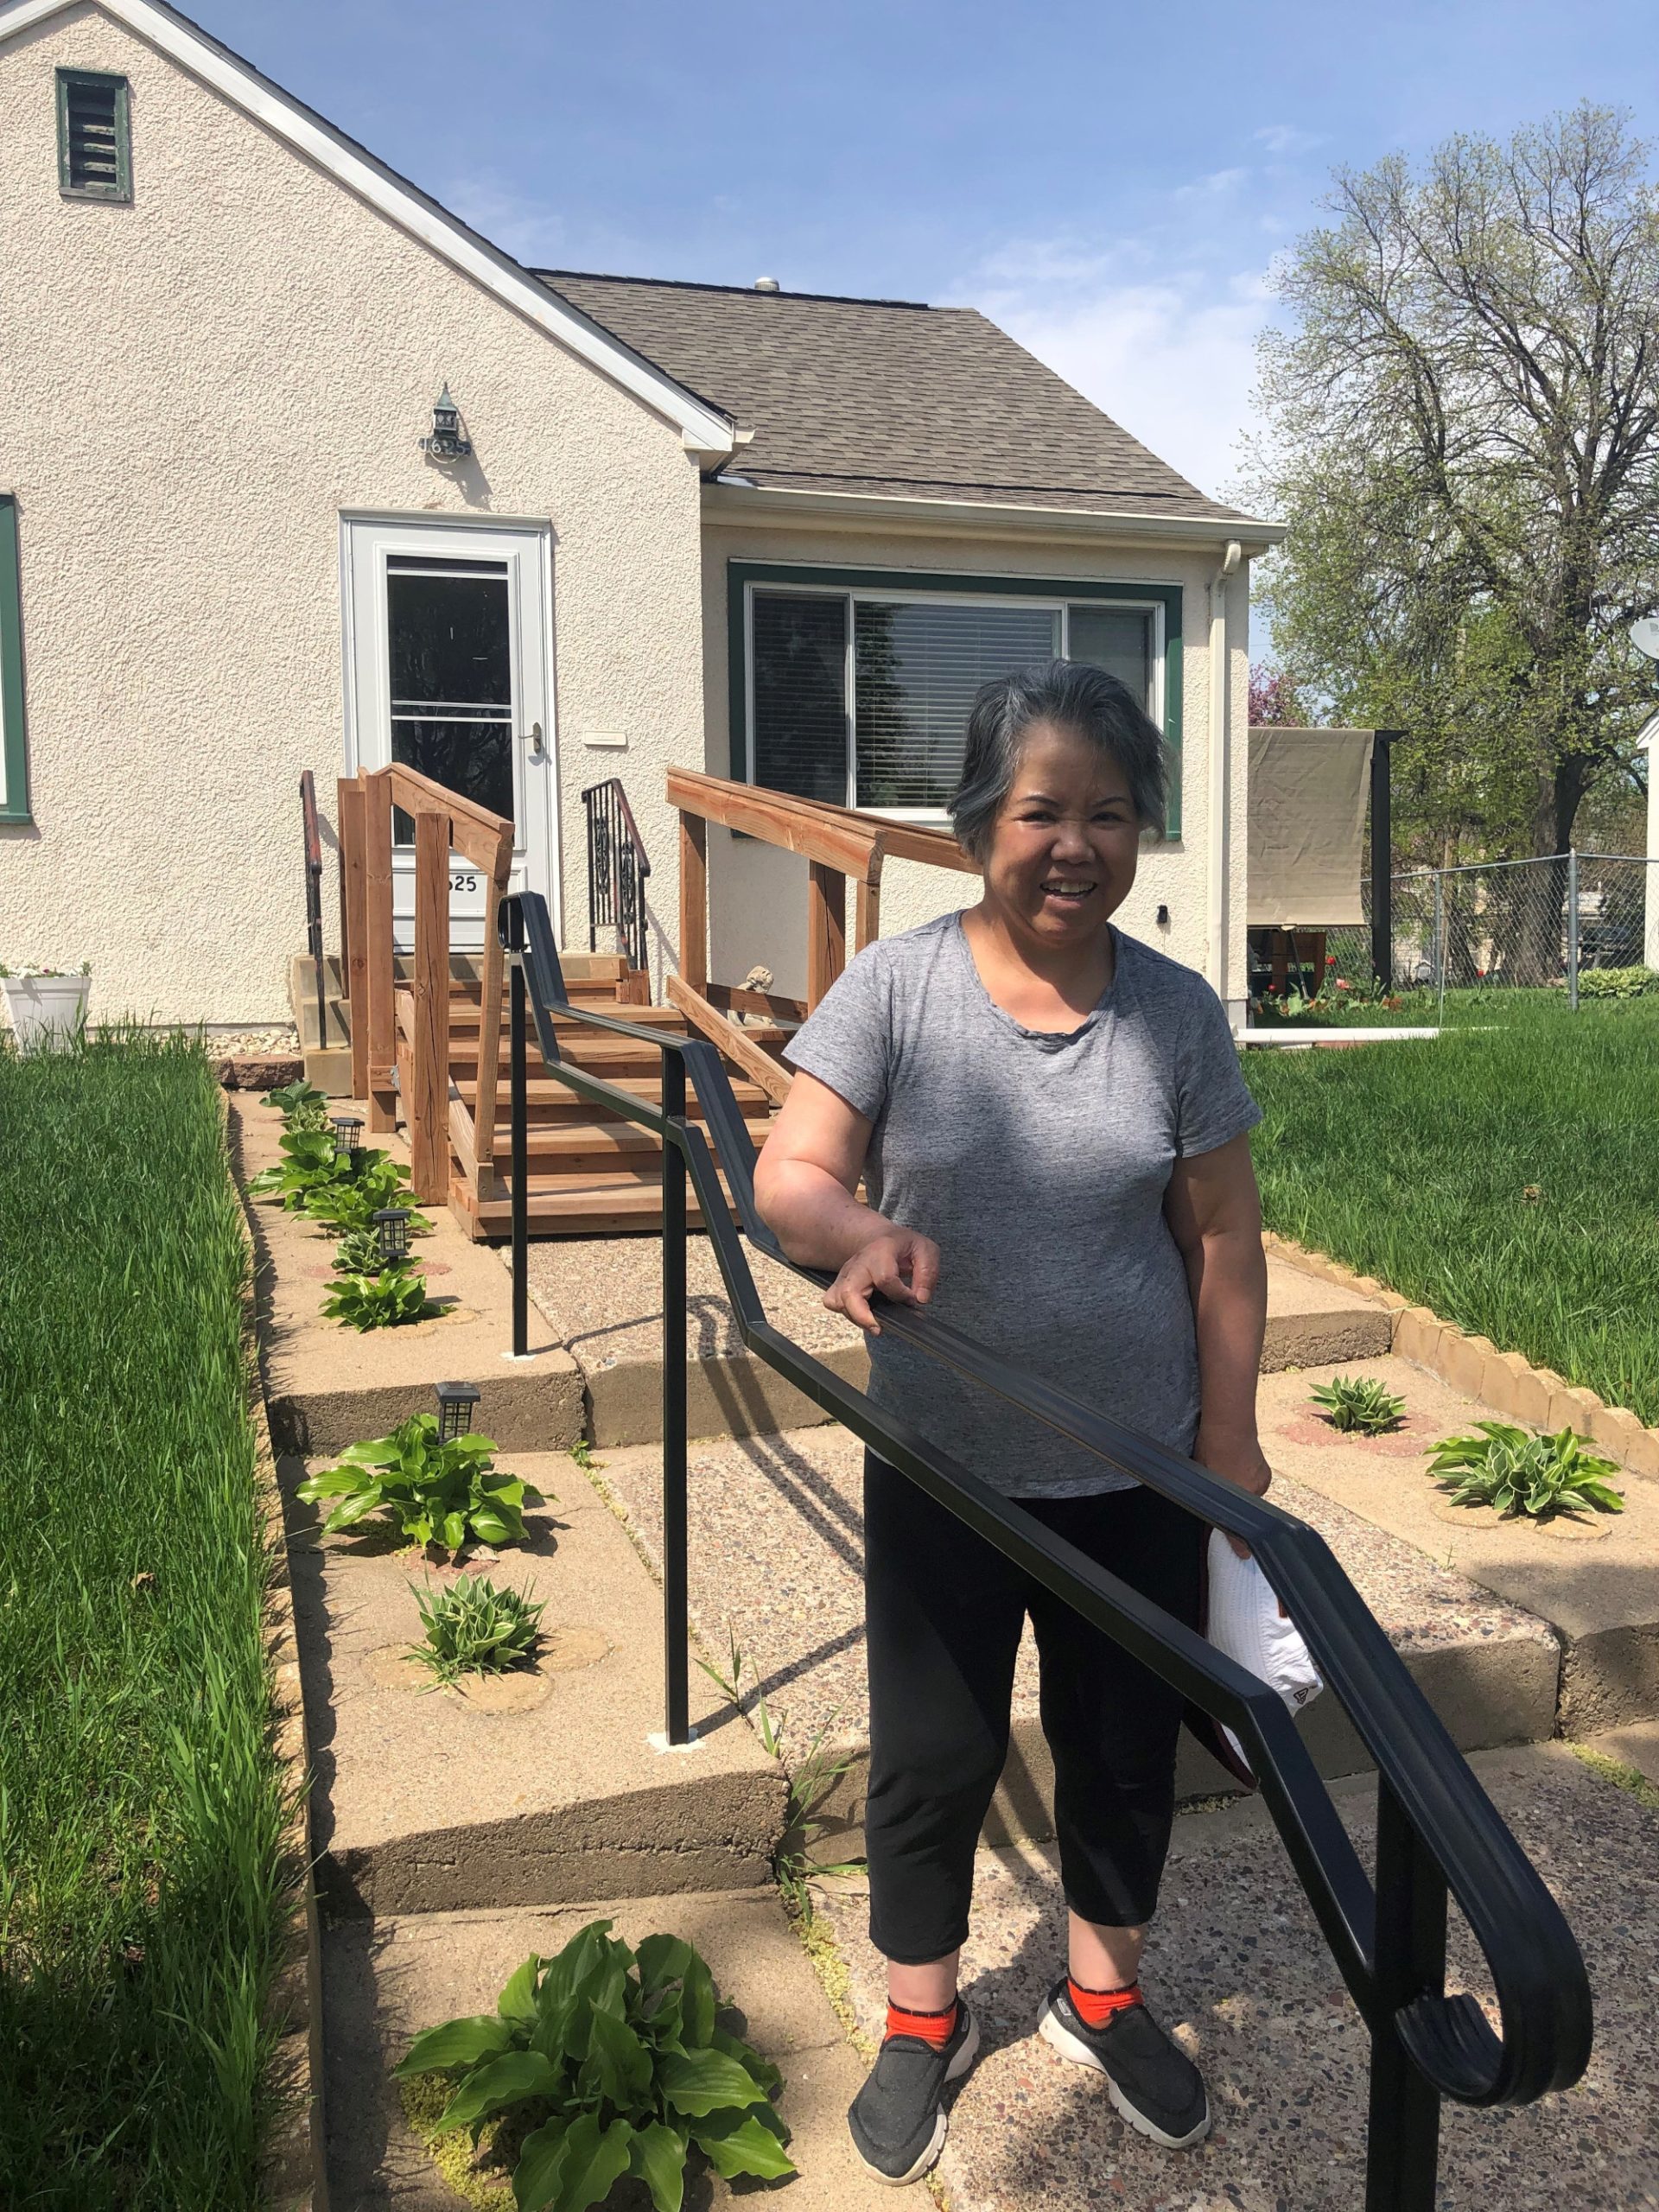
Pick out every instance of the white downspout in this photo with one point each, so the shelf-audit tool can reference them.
(1219, 816)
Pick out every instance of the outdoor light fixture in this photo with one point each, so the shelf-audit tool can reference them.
(455, 1404)
(392, 1227)
(349, 1133)
(446, 443)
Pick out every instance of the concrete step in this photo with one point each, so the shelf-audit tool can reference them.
(603, 1300)
(1594, 1581)
(384, 1982)
(431, 1801)
(324, 1385)
(1237, 1972)
(776, 1550)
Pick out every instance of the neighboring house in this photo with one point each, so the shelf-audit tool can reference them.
(771, 535)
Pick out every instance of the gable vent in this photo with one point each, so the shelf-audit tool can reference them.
(92, 144)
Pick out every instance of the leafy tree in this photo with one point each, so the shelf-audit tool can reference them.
(1274, 701)
(1462, 433)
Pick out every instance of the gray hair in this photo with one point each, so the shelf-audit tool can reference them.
(1076, 696)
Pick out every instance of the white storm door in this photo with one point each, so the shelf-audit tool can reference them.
(447, 665)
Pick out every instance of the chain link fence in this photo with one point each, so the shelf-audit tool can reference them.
(1514, 925)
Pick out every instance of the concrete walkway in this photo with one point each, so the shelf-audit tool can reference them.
(388, 1978)
(1237, 1970)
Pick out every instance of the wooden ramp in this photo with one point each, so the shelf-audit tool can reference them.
(428, 1031)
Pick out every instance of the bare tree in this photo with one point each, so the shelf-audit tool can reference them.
(1463, 430)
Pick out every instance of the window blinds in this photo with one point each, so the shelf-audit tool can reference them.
(799, 728)
(1118, 639)
(917, 667)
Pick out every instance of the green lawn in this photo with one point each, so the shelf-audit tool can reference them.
(1413, 1162)
(141, 1883)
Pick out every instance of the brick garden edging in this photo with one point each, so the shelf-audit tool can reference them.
(1536, 1396)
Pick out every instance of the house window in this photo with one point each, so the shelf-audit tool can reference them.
(858, 693)
(14, 758)
(94, 138)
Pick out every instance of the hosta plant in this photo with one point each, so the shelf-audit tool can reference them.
(343, 1189)
(300, 1104)
(446, 1494)
(603, 2062)
(1517, 1472)
(351, 1200)
(474, 1628)
(1358, 1404)
(309, 1160)
(359, 1253)
(389, 1300)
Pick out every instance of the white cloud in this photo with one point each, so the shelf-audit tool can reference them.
(1286, 138)
(1170, 356)
(1220, 184)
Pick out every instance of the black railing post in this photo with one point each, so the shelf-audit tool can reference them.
(1382, 856)
(520, 1086)
(1404, 2145)
(676, 1662)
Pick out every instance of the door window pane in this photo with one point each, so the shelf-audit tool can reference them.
(800, 695)
(449, 642)
(1118, 639)
(916, 669)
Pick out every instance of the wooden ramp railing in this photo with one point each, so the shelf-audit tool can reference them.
(838, 846)
(402, 1030)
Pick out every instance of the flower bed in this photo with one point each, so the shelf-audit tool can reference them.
(142, 1892)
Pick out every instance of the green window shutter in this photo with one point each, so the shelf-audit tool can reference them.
(13, 753)
(94, 136)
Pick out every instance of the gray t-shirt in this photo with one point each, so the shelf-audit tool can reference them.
(1037, 1163)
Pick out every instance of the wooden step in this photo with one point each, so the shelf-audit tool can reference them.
(576, 1148)
(618, 1059)
(575, 1209)
(549, 1100)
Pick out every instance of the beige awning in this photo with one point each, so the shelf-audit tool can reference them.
(1308, 789)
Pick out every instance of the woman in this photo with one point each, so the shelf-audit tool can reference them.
(1051, 1124)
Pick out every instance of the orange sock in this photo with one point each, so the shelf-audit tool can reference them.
(1096, 2006)
(928, 2027)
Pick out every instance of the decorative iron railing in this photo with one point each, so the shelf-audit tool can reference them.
(618, 869)
(314, 898)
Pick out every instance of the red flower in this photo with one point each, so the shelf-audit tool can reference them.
(1342, 983)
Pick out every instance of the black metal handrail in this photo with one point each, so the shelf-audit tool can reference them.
(313, 897)
(618, 868)
(1437, 1830)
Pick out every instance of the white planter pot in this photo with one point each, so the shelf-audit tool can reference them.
(48, 1012)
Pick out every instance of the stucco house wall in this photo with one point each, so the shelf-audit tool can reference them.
(758, 894)
(193, 389)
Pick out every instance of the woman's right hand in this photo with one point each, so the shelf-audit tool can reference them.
(898, 1264)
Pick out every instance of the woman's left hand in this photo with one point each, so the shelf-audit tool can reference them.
(1237, 1459)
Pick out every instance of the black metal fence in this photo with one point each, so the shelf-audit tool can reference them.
(618, 869)
(1437, 1831)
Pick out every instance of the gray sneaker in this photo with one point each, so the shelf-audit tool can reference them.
(1155, 2085)
(897, 2119)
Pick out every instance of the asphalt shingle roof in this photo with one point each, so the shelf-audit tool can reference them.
(884, 397)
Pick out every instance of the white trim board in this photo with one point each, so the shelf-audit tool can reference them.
(704, 429)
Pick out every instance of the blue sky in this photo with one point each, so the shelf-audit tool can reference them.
(1109, 182)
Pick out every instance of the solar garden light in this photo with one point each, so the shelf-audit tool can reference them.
(455, 1404)
(392, 1227)
(349, 1133)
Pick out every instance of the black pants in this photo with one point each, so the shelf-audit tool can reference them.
(944, 1613)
